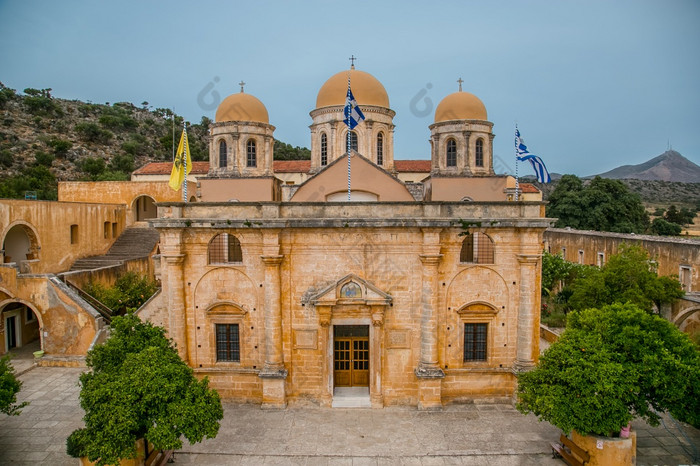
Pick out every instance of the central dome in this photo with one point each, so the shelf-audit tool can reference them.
(460, 106)
(242, 107)
(366, 89)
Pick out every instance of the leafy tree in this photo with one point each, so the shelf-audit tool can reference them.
(117, 118)
(111, 175)
(284, 151)
(36, 178)
(91, 132)
(9, 387)
(60, 147)
(6, 158)
(139, 387)
(610, 366)
(93, 166)
(42, 158)
(602, 205)
(628, 277)
(673, 215)
(39, 102)
(6, 95)
(662, 227)
(122, 163)
(556, 269)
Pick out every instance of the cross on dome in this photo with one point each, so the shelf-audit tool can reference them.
(241, 84)
(352, 61)
(460, 81)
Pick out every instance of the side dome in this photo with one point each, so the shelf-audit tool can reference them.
(366, 89)
(460, 106)
(242, 107)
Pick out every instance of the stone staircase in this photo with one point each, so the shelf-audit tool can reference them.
(134, 243)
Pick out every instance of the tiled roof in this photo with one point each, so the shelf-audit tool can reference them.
(164, 168)
(412, 166)
(292, 166)
(528, 188)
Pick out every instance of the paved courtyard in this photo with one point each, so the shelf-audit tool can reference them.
(466, 434)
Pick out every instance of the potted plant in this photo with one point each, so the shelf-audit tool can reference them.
(140, 396)
(610, 366)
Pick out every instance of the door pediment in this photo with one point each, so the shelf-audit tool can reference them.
(350, 290)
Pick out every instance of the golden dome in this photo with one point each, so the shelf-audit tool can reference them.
(366, 89)
(460, 106)
(242, 107)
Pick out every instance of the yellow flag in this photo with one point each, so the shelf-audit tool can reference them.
(177, 175)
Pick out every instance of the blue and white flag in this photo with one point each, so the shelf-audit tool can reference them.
(522, 154)
(353, 114)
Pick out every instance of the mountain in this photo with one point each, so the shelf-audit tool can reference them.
(669, 166)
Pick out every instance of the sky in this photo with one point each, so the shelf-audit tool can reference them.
(592, 84)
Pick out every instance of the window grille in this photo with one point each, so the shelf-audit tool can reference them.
(228, 346)
(475, 342)
(477, 248)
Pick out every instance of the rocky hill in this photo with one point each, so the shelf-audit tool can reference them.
(75, 139)
(669, 166)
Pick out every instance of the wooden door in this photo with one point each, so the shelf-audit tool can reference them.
(351, 356)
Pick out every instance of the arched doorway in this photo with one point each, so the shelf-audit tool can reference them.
(20, 244)
(20, 328)
(144, 208)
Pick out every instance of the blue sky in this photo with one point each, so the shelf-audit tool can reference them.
(591, 84)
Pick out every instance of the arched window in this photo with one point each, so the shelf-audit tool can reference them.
(252, 160)
(222, 154)
(324, 150)
(479, 158)
(477, 248)
(451, 153)
(225, 248)
(380, 149)
(353, 141)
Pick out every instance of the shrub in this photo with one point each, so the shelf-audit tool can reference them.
(6, 158)
(9, 387)
(93, 166)
(130, 291)
(612, 365)
(42, 158)
(60, 147)
(93, 133)
(665, 228)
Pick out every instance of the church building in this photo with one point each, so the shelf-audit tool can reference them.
(414, 292)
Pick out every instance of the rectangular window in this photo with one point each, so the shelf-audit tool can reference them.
(228, 346)
(106, 229)
(580, 256)
(563, 253)
(601, 259)
(74, 234)
(475, 342)
(685, 277)
(114, 229)
(30, 315)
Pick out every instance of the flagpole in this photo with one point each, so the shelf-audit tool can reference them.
(348, 137)
(185, 147)
(517, 183)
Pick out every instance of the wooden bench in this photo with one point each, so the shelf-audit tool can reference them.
(571, 453)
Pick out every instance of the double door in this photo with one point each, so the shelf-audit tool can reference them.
(351, 356)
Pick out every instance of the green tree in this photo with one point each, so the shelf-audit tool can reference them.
(91, 132)
(9, 387)
(556, 269)
(284, 151)
(93, 166)
(60, 147)
(664, 228)
(139, 387)
(602, 205)
(629, 276)
(35, 178)
(130, 291)
(610, 366)
(42, 158)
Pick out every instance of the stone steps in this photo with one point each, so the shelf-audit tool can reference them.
(134, 243)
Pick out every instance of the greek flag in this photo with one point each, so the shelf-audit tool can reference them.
(353, 114)
(522, 154)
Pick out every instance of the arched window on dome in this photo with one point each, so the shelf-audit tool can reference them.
(477, 248)
(324, 150)
(380, 149)
(451, 153)
(479, 158)
(353, 140)
(225, 249)
(251, 152)
(222, 154)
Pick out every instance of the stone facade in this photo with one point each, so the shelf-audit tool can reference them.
(415, 296)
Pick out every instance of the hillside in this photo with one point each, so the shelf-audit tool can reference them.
(669, 166)
(62, 135)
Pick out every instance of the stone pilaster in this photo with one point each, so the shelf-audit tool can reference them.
(273, 372)
(177, 311)
(527, 330)
(429, 373)
(324, 320)
(375, 383)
